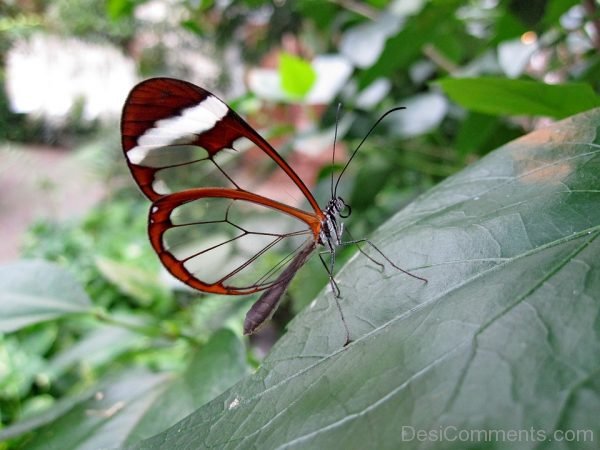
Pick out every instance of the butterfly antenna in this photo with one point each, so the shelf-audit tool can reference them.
(337, 120)
(383, 116)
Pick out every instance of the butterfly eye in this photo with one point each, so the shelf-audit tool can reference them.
(346, 211)
(342, 207)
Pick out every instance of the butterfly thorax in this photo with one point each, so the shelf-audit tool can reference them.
(332, 226)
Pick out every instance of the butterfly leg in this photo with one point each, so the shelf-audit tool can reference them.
(336, 290)
(357, 243)
(364, 240)
(381, 266)
(329, 268)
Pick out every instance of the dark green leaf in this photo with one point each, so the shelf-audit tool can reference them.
(555, 9)
(507, 27)
(321, 13)
(37, 291)
(20, 368)
(474, 131)
(371, 179)
(504, 335)
(529, 12)
(432, 24)
(500, 96)
(57, 410)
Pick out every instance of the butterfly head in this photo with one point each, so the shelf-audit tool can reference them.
(337, 207)
(332, 228)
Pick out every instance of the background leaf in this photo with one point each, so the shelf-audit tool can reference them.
(500, 96)
(138, 283)
(97, 419)
(503, 336)
(297, 75)
(37, 291)
(102, 345)
(137, 403)
(217, 366)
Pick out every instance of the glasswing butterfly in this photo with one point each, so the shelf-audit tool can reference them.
(210, 225)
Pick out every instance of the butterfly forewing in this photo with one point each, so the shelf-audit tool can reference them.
(178, 136)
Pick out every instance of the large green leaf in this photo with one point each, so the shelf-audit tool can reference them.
(500, 96)
(504, 336)
(36, 291)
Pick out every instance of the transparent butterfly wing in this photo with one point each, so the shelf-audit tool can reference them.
(204, 167)
(227, 241)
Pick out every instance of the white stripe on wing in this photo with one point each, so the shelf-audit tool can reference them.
(180, 129)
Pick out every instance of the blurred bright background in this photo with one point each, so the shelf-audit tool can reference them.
(66, 195)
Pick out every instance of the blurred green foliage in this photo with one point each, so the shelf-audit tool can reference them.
(442, 59)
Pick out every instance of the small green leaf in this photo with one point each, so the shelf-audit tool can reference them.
(19, 368)
(118, 9)
(501, 96)
(193, 26)
(140, 284)
(98, 347)
(37, 291)
(297, 75)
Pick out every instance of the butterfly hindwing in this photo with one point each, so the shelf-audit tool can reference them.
(227, 241)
